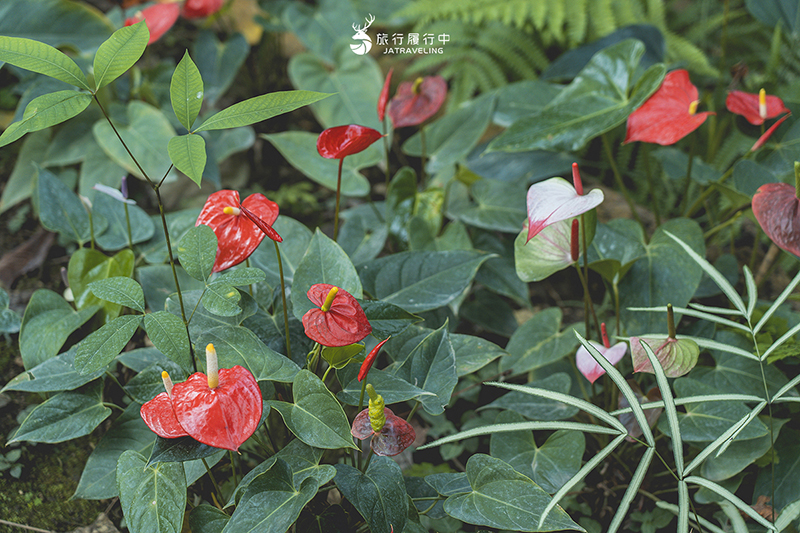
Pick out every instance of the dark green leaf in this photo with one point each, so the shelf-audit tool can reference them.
(149, 383)
(739, 455)
(539, 342)
(140, 486)
(186, 92)
(237, 345)
(116, 237)
(379, 494)
(786, 480)
(40, 57)
(101, 347)
(241, 277)
(169, 335)
(537, 407)
(473, 353)
(65, 416)
(393, 389)
(188, 154)
(218, 62)
(45, 111)
(387, 319)
(206, 518)
(120, 290)
(181, 449)
(52, 375)
(60, 209)
(260, 108)
(87, 266)
(197, 250)
(222, 299)
(21, 183)
(266, 258)
(615, 247)
(119, 53)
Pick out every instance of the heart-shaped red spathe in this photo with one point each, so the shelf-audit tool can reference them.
(341, 141)
(777, 210)
(411, 108)
(159, 416)
(193, 9)
(344, 323)
(158, 17)
(223, 417)
(667, 116)
(747, 105)
(237, 235)
(395, 436)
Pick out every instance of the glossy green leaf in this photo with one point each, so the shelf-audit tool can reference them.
(450, 138)
(120, 290)
(218, 62)
(421, 281)
(186, 91)
(45, 111)
(266, 258)
(119, 53)
(615, 247)
(473, 353)
(87, 266)
(238, 345)
(550, 465)
(197, 250)
(202, 319)
(318, 26)
(539, 342)
(206, 518)
(148, 383)
(355, 80)
(393, 389)
(179, 450)
(188, 154)
(705, 421)
(60, 209)
(47, 323)
(42, 58)
(379, 494)
(80, 26)
(665, 274)
(140, 486)
(52, 375)
(21, 183)
(222, 299)
(316, 417)
(147, 134)
(128, 432)
(599, 99)
(259, 108)
(271, 503)
(363, 234)
(340, 356)
(387, 319)
(537, 407)
(300, 150)
(498, 205)
(241, 277)
(65, 416)
(431, 366)
(505, 499)
(168, 334)
(115, 236)
(323, 262)
(103, 345)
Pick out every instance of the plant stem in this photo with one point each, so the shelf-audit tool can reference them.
(688, 183)
(386, 150)
(361, 398)
(422, 175)
(618, 179)
(128, 222)
(650, 184)
(233, 469)
(283, 300)
(338, 195)
(370, 453)
(213, 480)
(413, 411)
(135, 162)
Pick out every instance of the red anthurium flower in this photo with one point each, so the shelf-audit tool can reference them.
(367, 364)
(777, 210)
(158, 17)
(553, 200)
(767, 134)
(383, 99)
(339, 321)
(221, 409)
(587, 364)
(341, 141)
(239, 228)
(390, 433)
(417, 101)
(669, 115)
(756, 108)
(194, 9)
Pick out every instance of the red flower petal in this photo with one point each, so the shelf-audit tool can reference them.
(746, 104)
(361, 428)
(410, 109)
(665, 118)
(767, 134)
(777, 210)
(395, 436)
(193, 9)
(367, 364)
(158, 17)
(237, 235)
(223, 417)
(383, 99)
(341, 141)
(344, 323)
(159, 416)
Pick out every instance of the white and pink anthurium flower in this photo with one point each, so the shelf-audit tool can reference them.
(553, 200)
(590, 368)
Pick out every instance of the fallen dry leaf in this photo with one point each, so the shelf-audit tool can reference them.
(28, 256)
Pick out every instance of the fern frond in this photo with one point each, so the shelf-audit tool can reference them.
(577, 21)
(601, 18)
(679, 49)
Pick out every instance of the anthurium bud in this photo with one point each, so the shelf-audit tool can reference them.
(212, 367)
(677, 356)
(377, 418)
(367, 364)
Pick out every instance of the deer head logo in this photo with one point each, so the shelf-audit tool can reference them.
(361, 35)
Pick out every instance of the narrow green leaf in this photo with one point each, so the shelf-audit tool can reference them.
(169, 335)
(259, 108)
(695, 313)
(785, 337)
(101, 347)
(186, 91)
(728, 495)
(45, 111)
(120, 52)
(119, 290)
(153, 498)
(683, 506)
(752, 292)
(633, 490)
(42, 58)
(669, 407)
(777, 303)
(65, 416)
(188, 154)
(197, 250)
(672, 508)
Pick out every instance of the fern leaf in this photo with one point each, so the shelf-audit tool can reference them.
(557, 17)
(679, 49)
(601, 17)
(577, 21)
